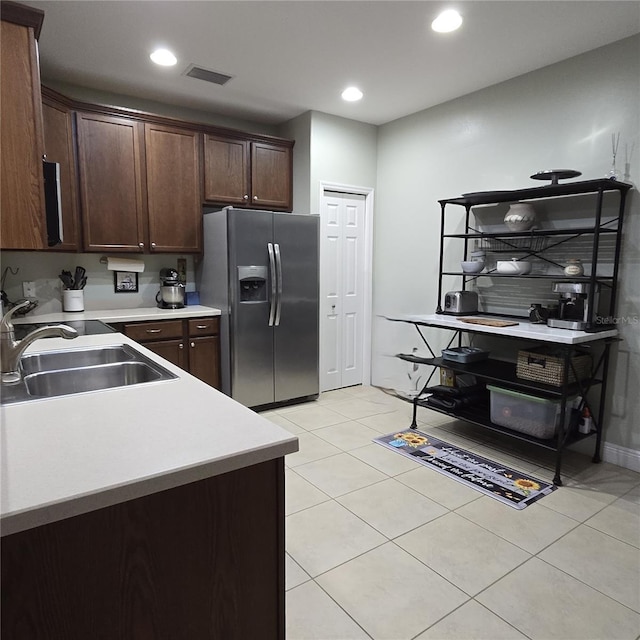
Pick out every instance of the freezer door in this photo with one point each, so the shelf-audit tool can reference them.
(250, 292)
(296, 318)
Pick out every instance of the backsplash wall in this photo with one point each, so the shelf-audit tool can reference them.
(43, 268)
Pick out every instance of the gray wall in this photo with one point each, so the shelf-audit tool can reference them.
(342, 151)
(561, 116)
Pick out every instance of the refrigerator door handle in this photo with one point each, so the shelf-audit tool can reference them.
(274, 295)
(279, 281)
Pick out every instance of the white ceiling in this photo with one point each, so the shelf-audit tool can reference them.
(295, 56)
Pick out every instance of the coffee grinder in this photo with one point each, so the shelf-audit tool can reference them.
(577, 309)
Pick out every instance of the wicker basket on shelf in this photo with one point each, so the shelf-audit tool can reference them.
(546, 365)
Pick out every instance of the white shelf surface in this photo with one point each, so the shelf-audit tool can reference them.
(524, 329)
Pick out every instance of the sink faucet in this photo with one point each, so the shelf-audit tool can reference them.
(11, 349)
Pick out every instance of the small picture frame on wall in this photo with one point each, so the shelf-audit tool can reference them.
(125, 282)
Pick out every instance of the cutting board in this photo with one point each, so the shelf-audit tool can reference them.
(489, 322)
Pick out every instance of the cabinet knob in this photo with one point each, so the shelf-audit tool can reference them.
(193, 344)
(180, 346)
(245, 197)
(141, 245)
(153, 245)
(255, 197)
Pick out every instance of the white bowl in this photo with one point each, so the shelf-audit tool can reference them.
(513, 267)
(472, 266)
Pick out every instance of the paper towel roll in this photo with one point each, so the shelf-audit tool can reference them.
(125, 264)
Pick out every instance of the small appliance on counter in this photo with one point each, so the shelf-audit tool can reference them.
(459, 303)
(577, 310)
(171, 294)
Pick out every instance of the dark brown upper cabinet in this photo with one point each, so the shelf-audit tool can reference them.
(248, 173)
(59, 145)
(23, 222)
(111, 183)
(174, 194)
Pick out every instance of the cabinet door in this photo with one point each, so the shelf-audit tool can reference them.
(226, 170)
(111, 186)
(204, 359)
(271, 171)
(171, 350)
(59, 147)
(174, 201)
(23, 223)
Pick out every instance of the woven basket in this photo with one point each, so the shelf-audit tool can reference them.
(547, 365)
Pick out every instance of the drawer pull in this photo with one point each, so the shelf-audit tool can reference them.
(153, 330)
(202, 326)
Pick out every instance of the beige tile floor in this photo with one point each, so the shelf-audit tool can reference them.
(381, 547)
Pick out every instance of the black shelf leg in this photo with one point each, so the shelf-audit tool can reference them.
(414, 418)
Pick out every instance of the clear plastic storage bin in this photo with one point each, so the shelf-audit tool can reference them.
(535, 416)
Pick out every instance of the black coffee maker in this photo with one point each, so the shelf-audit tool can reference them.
(171, 294)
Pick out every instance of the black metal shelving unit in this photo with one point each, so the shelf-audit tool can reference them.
(596, 188)
(504, 373)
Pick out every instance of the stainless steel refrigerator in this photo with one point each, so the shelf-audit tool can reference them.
(261, 269)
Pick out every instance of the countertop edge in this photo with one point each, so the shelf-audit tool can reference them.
(109, 496)
(28, 504)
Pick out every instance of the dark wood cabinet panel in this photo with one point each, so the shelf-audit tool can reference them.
(226, 176)
(23, 222)
(271, 170)
(159, 330)
(174, 200)
(204, 353)
(171, 350)
(59, 147)
(248, 173)
(111, 186)
(203, 560)
(192, 345)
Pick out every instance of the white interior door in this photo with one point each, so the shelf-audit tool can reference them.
(342, 290)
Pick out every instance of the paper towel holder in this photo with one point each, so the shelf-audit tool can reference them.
(123, 264)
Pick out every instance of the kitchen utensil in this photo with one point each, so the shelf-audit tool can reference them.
(67, 279)
(457, 302)
(489, 322)
(77, 278)
(472, 266)
(513, 267)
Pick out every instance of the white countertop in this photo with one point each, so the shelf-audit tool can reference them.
(65, 456)
(524, 329)
(123, 315)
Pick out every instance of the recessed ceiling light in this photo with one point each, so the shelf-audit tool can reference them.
(352, 94)
(447, 21)
(163, 57)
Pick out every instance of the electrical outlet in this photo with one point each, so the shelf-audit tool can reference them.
(29, 289)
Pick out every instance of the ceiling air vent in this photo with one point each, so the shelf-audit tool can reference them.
(208, 76)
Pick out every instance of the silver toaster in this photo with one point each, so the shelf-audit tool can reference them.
(460, 302)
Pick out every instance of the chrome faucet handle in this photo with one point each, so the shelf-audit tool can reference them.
(6, 325)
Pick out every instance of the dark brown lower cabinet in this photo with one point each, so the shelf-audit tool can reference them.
(192, 345)
(204, 561)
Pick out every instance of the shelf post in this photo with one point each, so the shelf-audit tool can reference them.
(441, 259)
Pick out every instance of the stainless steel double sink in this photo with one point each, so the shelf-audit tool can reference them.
(60, 373)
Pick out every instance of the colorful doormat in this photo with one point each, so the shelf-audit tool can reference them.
(512, 487)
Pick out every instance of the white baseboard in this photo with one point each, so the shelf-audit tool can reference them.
(621, 456)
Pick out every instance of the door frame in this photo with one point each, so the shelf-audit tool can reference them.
(368, 193)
